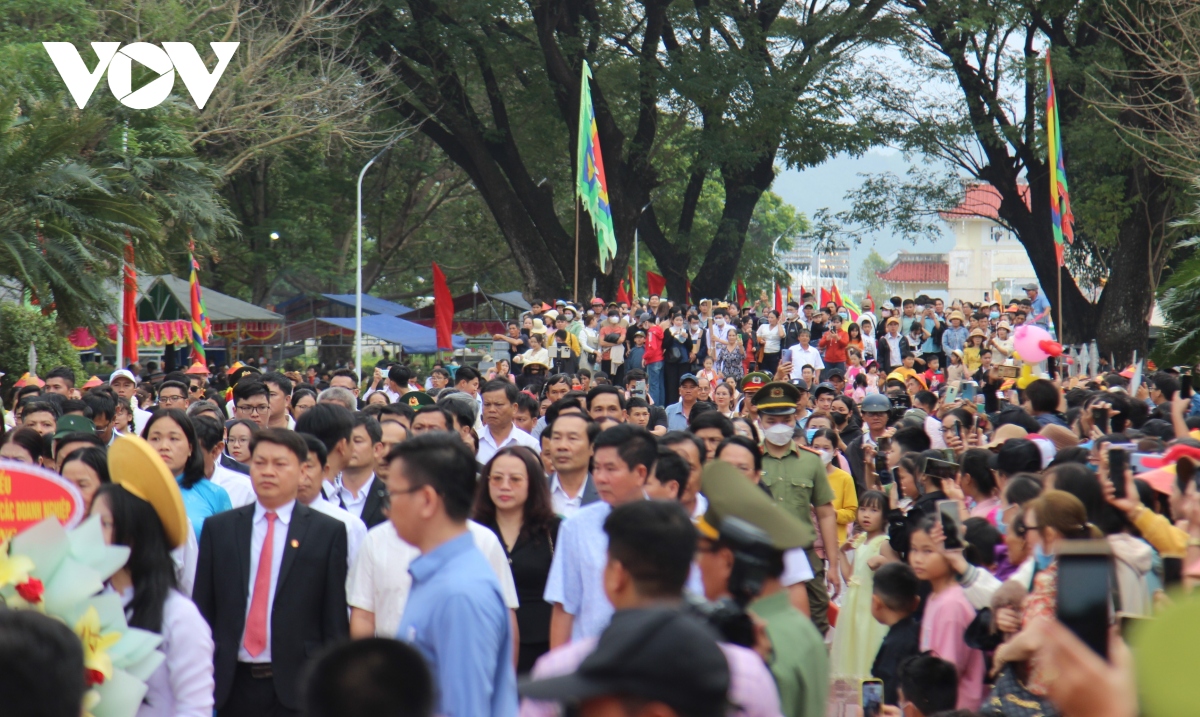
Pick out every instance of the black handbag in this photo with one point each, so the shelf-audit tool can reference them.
(1010, 698)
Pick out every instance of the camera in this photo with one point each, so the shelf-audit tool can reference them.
(753, 553)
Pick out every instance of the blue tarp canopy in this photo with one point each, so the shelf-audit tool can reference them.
(371, 304)
(415, 339)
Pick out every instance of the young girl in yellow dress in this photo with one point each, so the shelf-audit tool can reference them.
(858, 635)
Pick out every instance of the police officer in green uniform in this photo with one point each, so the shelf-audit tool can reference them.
(796, 478)
(799, 661)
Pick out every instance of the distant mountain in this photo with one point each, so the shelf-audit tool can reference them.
(827, 184)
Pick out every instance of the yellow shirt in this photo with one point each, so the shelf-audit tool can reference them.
(971, 359)
(845, 500)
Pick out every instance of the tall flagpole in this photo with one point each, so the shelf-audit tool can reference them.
(576, 292)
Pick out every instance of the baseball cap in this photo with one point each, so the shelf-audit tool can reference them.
(1030, 287)
(688, 376)
(73, 424)
(876, 403)
(658, 654)
(121, 373)
(824, 387)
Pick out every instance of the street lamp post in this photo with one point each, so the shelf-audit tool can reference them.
(636, 270)
(358, 286)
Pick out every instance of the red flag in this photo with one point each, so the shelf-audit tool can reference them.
(632, 286)
(825, 297)
(869, 303)
(655, 283)
(129, 320)
(688, 290)
(741, 294)
(443, 309)
(621, 295)
(778, 300)
(837, 295)
(802, 292)
(789, 294)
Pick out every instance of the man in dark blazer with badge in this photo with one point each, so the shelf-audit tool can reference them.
(271, 582)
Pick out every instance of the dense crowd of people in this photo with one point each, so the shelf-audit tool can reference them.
(642, 510)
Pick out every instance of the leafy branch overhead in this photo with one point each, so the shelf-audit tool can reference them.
(684, 95)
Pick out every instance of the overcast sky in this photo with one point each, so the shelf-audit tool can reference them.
(826, 186)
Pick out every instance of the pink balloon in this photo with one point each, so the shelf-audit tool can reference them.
(1027, 340)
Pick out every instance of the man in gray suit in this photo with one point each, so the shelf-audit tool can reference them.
(571, 486)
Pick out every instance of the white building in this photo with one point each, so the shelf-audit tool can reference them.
(987, 262)
(811, 269)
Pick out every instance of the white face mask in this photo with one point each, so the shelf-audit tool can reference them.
(720, 322)
(791, 314)
(826, 457)
(613, 319)
(779, 434)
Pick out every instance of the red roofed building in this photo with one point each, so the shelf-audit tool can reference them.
(987, 261)
(914, 274)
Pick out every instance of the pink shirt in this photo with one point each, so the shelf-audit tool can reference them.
(947, 615)
(751, 686)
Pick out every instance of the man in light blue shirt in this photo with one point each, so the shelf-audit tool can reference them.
(455, 614)
(1039, 306)
(623, 458)
(678, 412)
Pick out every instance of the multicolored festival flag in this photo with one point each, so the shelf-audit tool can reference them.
(1060, 198)
(201, 327)
(590, 184)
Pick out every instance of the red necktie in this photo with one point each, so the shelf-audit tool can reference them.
(255, 639)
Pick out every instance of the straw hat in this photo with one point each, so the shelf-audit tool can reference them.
(1061, 436)
(538, 327)
(1005, 432)
(956, 314)
(977, 332)
(137, 468)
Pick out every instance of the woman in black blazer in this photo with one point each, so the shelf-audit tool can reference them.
(513, 499)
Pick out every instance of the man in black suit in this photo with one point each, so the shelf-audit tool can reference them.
(271, 582)
(358, 490)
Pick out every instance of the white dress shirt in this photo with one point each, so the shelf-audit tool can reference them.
(258, 533)
(488, 446)
(186, 557)
(565, 505)
(140, 419)
(238, 485)
(379, 582)
(356, 530)
(183, 684)
(352, 503)
(802, 357)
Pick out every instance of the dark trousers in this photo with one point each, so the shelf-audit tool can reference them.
(253, 696)
(769, 363)
(818, 593)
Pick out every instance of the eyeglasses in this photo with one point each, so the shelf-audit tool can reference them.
(164, 400)
(194, 389)
(387, 497)
(253, 410)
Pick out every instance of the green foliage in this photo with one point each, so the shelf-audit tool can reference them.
(869, 280)
(20, 325)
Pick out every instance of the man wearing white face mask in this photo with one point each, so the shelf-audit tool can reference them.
(797, 481)
(792, 323)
